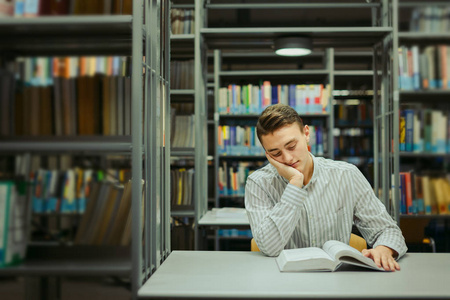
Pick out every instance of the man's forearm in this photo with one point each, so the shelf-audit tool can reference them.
(273, 227)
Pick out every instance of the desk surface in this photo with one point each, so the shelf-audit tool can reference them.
(211, 219)
(215, 274)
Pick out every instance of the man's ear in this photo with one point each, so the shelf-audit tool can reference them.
(306, 133)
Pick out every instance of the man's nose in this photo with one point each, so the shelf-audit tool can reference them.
(287, 157)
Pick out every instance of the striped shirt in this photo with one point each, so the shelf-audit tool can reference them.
(283, 216)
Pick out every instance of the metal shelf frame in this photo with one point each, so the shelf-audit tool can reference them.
(380, 37)
(266, 5)
(201, 117)
(272, 73)
(65, 147)
(431, 97)
(423, 37)
(65, 35)
(182, 46)
(323, 37)
(143, 35)
(385, 100)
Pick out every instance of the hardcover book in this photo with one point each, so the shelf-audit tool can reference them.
(330, 257)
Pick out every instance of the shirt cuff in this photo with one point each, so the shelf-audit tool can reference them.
(399, 247)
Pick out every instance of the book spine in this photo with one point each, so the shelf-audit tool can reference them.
(409, 130)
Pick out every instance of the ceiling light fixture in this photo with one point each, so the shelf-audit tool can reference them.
(293, 46)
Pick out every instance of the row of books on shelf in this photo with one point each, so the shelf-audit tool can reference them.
(424, 194)
(182, 74)
(41, 71)
(431, 18)
(182, 187)
(98, 105)
(233, 175)
(13, 222)
(253, 99)
(107, 219)
(68, 192)
(353, 115)
(182, 21)
(246, 233)
(318, 140)
(238, 140)
(182, 131)
(34, 8)
(354, 145)
(424, 130)
(424, 69)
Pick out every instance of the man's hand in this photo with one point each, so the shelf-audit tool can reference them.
(383, 257)
(291, 174)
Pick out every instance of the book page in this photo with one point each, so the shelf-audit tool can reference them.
(333, 248)
(347, 254)
(305, 259)
(306, 253)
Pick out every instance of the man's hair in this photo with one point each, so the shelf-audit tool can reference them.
(275, 117)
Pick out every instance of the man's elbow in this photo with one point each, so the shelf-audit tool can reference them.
(270, 252)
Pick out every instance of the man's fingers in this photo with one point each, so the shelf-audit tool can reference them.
(396, 265)
(385, 263)
(270, 159)
(392, 265)
(382, 259)
(377, 260)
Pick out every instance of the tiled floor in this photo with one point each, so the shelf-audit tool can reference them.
(72, 289)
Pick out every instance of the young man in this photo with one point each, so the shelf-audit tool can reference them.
(299, 200)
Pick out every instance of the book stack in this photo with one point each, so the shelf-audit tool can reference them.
(253, 99)
(67, 192)
(13, 222)
(353, 115)
(424, 130)
(182, 187)
(424, 194)
(425, 68)
(353, 142)
(238, 140)
(68, 96)
(182, 21)
(431, 18)
(182, 74)
(233, 176)
(107, 220)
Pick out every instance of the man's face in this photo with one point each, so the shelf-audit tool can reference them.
(289, 146)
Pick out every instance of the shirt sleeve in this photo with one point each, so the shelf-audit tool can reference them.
(272, 220)
(372, 218)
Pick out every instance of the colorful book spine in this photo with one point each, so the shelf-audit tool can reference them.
(409, 130)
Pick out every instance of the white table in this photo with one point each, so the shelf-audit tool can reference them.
(226, 275)
(211, 220)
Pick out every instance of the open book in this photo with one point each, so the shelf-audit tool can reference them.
(328, 258)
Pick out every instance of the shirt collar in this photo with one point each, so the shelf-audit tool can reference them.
(316, 170)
